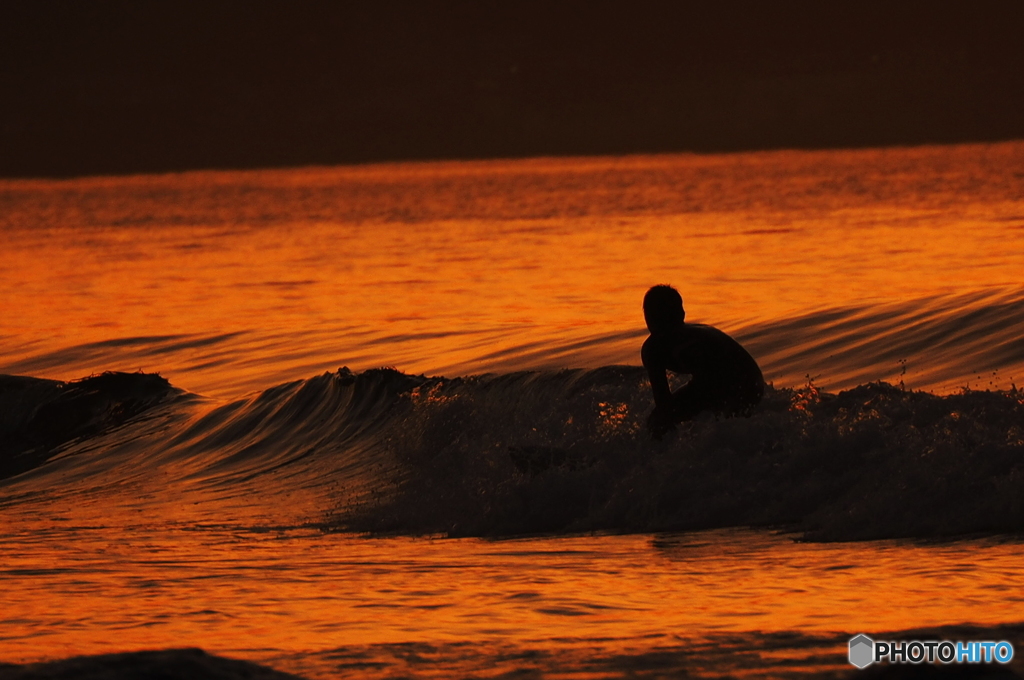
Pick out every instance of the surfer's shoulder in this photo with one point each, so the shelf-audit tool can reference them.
(658, 347)
(703, 334)
(700, 329)
(649, 348)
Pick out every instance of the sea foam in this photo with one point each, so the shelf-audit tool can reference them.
(533, 452)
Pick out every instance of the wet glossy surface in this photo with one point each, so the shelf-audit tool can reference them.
(307, 602)
(843, 266)
(231, 281)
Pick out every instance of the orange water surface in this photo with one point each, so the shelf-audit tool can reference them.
(838, 266)
(320, 604)
(231, 281)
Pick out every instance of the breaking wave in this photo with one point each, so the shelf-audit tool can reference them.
(519, 453)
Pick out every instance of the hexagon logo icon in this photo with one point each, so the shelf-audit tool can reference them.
(862, 651)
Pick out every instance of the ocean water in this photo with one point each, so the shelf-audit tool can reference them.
(387, 421)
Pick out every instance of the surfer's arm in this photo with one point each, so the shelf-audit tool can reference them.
(660, 420)
(657, 374)
(660, 388)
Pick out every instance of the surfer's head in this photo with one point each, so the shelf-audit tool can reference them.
(663, 308)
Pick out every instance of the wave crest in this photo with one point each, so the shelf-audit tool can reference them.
(566, 452)
(40, 416)
(522, 453)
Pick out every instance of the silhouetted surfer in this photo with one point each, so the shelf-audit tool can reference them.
(725, 379)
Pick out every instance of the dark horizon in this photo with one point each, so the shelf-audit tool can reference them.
(116, 87)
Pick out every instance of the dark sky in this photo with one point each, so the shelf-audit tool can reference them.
(101, 86)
